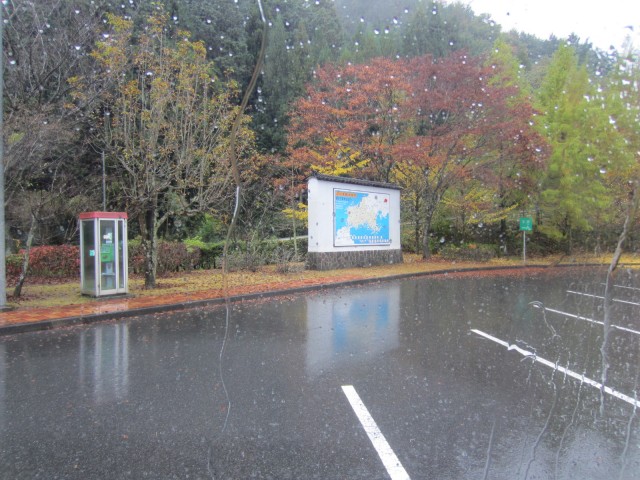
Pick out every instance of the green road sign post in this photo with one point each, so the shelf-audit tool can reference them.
(526, 225)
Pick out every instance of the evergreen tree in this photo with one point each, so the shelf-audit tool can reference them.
(220, 25)
(272, 95)
(325, 32)
(573, 194)
(368, 45)
(417, 36)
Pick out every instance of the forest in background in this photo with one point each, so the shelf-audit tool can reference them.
(479, 126)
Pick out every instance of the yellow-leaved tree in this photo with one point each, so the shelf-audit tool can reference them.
(167, 119)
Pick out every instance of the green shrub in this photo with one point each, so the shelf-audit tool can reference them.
(172, 257)
(210, 255)
(212, 229)
(135, 256)
(539, 245)
(175, 257)
(288, 245)
(252, 255)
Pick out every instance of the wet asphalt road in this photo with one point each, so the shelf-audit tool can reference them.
(255, 390)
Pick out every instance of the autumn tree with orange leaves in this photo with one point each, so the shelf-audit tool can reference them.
(427, 124)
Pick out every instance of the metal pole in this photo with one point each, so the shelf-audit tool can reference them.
(3, 271)
(524, 246)
(104, 185)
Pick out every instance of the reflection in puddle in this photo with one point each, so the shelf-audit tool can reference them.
(359, 324)
(107, 363)
(3, 384)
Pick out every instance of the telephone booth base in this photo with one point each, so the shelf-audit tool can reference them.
(103, 253)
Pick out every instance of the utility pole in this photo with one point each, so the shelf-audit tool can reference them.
(3, 263)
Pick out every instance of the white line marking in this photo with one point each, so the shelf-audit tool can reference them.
(602, 298)
(566, 371)
(623, 286)
(578, 317)
(392, 464)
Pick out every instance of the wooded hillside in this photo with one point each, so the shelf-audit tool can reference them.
(479, 126)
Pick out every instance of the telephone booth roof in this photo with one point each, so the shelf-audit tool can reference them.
(116, 215)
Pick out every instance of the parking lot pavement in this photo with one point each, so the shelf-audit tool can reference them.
(265, 389)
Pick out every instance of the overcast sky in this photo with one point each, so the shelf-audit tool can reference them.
(604, 23)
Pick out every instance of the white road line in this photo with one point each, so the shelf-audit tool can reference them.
(602, 298)
(392, 464)
(624, 286)
(566, 371)
(579, 317)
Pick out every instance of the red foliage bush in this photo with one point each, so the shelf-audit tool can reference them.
(59, 261)
(63, 261)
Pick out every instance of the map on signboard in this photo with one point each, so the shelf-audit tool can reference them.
(361, 218)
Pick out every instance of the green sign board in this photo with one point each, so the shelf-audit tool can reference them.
(106, 253)
(526, 224)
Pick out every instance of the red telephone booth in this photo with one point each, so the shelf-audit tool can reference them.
(103, 253)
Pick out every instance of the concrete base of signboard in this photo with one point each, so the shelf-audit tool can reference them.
(351, 259)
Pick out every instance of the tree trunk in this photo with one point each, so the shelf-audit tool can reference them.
(295, 234)
(17, 291)
(570, 252)
(426, 252)
(150, 247)
(503, 237)
(430, 203)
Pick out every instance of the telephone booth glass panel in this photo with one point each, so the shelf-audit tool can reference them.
(122, 253)
(88, 256)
